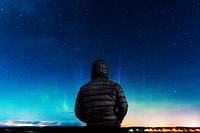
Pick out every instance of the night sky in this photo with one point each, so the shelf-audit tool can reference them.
(152, 48)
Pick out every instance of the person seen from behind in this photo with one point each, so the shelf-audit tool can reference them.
(101, 102)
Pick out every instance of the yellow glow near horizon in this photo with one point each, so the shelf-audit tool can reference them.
(170, 130)
(162, 118)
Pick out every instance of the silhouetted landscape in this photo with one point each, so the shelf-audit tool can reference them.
(78, 129)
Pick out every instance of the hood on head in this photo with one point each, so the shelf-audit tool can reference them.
(99, 70)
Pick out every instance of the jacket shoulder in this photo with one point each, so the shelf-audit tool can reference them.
(115, 84)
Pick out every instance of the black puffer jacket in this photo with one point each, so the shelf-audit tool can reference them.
(101, 102)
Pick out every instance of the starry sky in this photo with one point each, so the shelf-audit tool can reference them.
(152, 48)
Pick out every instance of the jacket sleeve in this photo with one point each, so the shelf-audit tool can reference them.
(121, 104)
(79, 109)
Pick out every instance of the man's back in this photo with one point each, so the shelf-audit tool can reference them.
(101, 102)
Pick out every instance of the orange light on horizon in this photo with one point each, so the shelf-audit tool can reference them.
(171, 130)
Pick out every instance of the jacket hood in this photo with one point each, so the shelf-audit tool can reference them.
(99, 70)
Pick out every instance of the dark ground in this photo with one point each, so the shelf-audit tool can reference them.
(97, 130)
(64, 130)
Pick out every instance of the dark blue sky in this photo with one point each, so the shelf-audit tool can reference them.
(151, 46)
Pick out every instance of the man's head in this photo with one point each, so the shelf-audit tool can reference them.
(99, 70)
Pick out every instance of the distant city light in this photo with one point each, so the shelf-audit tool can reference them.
(130, 130)
(160, 129)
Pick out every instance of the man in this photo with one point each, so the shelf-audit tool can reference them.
(101, 102)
